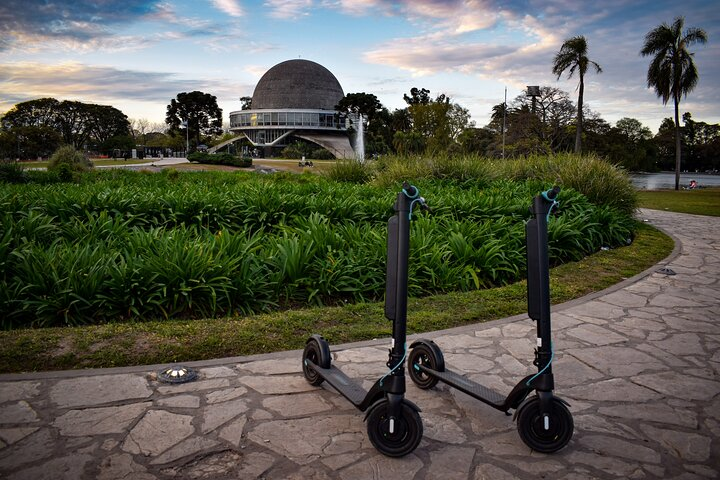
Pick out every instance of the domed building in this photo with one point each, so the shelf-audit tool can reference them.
(294, 99)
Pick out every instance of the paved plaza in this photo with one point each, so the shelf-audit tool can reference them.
(639, 364)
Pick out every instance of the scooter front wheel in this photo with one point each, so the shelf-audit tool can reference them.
(318, 352)
(545, 436)
(394, 437)
(422, 354)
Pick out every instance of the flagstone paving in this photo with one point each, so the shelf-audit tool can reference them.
(639, 364)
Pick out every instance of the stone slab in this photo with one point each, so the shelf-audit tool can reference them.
(274, 385)
(156, 432)
(99, 421)
(16, 413)
(14, 391)
(219, 413)
(99, 390)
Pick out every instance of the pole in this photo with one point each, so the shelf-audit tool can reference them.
(503, 127)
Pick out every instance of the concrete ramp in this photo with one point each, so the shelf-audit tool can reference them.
(225, 143)
(336, 144)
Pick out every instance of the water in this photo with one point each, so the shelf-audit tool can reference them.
(360, 140)
(656, 181)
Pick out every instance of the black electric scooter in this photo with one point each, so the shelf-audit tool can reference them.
(543, 420)
(393, 423)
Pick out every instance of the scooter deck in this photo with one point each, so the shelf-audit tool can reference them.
(342, 383)
(482, 393)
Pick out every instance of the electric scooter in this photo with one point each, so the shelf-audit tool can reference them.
(543, 420)
(393, 423)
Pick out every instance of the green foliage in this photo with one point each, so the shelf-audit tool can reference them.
(602, 182)
(199, 110)
(66, 162)
(321, 154)
(127, 245)
(352, 171)
(77, 123)
(297, 150)
(220, 159)
(12, 172)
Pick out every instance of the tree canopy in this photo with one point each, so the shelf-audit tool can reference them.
(572, 58)
(200, 111)
(74, 123)
(672, 72)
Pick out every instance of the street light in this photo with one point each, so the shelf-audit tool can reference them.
(187, 137)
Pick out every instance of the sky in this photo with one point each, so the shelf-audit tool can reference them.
(137, 55)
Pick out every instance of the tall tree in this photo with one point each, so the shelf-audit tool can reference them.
(672, 71)
(42, 112)
(200, 111)
(78, 123)
(573, 57)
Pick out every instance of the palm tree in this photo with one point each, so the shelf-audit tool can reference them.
(672, 72)
(573, 56)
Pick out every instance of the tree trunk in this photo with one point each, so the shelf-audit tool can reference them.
(677, 146)
(578, 131)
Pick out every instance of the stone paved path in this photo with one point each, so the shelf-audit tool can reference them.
(640, 366)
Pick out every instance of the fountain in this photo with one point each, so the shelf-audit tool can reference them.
(360, 139)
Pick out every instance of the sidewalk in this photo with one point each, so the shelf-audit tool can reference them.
(639, 364)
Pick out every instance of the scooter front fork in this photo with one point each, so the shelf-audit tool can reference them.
(545, 398)
(394, 410)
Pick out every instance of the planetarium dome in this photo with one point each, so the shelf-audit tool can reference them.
(295, 99)
(297, 84)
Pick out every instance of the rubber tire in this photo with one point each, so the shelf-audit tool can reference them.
(421, 354)
(408, 430)
(530, 426)
(315, 352)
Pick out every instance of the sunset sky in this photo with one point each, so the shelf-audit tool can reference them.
(136, 55)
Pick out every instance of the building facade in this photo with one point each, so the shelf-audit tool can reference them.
(294, 99)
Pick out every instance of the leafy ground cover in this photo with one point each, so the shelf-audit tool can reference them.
(153, 342)
(704, 201)
(123, 245)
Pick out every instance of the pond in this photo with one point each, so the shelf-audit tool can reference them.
(655, 181)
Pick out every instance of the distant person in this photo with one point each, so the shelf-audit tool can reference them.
(693, 184)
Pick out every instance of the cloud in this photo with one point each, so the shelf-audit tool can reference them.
(288, 9)
(24, 81)
(231, 7)
(424, 56)
(69, 21)
(91, 25)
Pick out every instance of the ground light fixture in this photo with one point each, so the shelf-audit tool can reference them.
(177, 374)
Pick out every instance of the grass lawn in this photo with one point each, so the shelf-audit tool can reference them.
(704, 201)
(151, 342)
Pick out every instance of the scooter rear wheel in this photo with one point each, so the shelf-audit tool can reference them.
(421, 354)
(394, 437)
(531, 426)
(318, 352)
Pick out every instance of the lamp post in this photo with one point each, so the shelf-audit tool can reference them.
(186, 124)
(503, 126)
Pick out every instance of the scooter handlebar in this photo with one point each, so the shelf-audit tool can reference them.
(552, 193)
(410, 190)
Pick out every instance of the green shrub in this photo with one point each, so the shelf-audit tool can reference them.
(321, 154)
(600, 181)
(220, 159)
(297, 150)
(124, 244)
(352, 171)
(200, 157)
(67, 164)
(12, 172)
